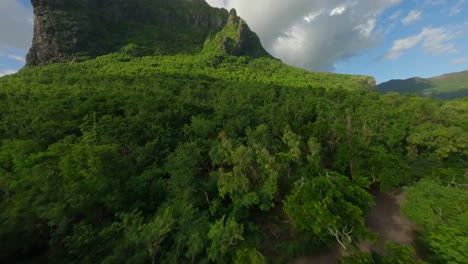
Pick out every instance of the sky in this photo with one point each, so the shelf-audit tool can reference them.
(387, 39)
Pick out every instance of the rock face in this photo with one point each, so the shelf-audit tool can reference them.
(66, 30)
(244, 41)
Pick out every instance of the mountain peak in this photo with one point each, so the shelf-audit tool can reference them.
(237, 39)
(66, 30)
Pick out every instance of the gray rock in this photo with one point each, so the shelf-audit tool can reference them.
(66, 30)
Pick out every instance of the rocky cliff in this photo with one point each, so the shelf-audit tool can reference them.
(66, 30)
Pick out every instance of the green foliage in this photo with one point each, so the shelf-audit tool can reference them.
(330, 207)
(441, 140)
(251, 256)
(188, 159)
(361, 258)
(442, 214)
(224, 235)
(393, 253)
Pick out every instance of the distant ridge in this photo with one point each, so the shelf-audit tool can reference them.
(445, 87)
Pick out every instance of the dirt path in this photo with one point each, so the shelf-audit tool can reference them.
(385, 220)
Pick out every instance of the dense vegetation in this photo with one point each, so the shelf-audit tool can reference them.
(442, 214)
(199, 159)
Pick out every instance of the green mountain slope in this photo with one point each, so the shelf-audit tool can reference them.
(215, 153)
(211, 157)
(205, 65)
(445, 87)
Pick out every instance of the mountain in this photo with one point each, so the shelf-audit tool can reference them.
(157, 131)
(77, 30)
(445, 87)
(81, 30)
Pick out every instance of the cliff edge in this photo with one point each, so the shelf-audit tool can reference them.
(67, 30)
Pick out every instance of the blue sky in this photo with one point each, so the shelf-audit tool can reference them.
(387, 39)
(433, 42)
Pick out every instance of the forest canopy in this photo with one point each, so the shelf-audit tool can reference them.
(212, 159)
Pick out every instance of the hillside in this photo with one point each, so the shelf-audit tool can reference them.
(194, 145)
(73, 30)
(445, 87)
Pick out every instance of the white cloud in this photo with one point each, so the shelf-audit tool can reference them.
(6, 72)
(312, 16)
(460, 60)
(338, 11)
(17, 58)
(313, 34)
(412, 17)
(367, 28)
(457, 8)
(433, 40)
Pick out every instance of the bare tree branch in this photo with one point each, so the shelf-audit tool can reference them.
(340, 235)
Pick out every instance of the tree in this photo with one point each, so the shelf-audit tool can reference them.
(251, 256)
(440, 140)
(329, 206)
(224, 235)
